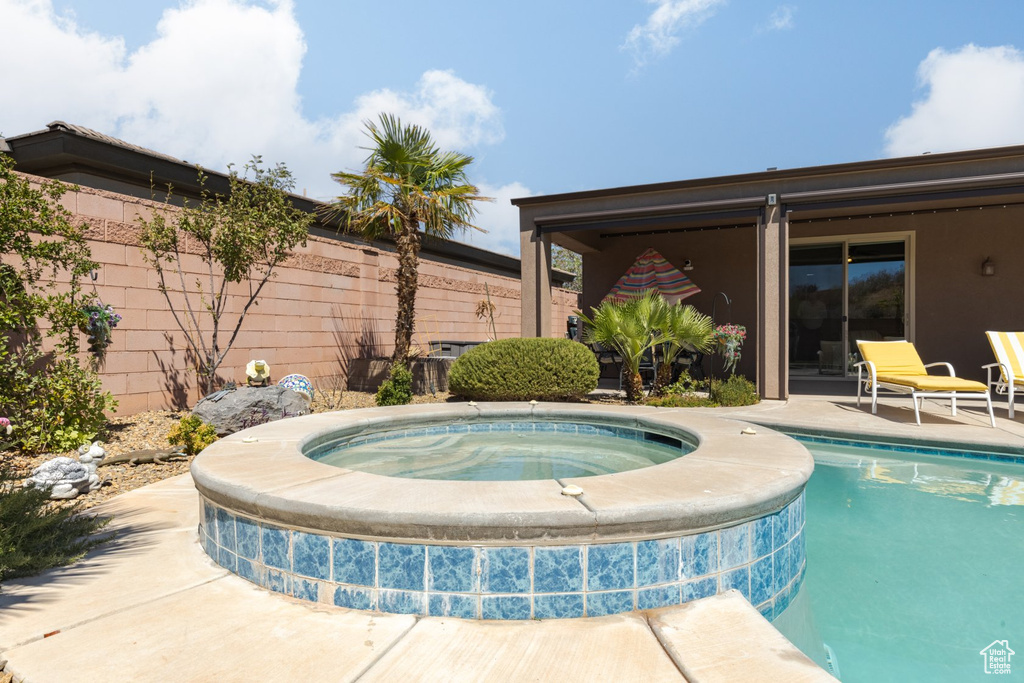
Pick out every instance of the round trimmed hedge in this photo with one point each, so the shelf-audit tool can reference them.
(524, 370)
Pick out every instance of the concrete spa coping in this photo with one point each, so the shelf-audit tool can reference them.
(729, 478)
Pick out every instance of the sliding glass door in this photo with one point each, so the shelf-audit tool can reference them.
(841, 290)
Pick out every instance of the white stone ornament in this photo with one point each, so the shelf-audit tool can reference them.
(66, 478)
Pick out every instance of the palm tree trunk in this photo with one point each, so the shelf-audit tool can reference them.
(662, 378)
(408, 243)
(634, 387)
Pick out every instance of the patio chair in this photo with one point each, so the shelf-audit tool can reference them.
(1009, 350)
(895, 365)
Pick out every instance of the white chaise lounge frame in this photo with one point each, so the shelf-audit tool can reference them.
(871, 383)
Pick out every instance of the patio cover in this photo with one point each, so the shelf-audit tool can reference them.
(652, 271)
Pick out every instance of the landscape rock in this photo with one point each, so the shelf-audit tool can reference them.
(237, 409)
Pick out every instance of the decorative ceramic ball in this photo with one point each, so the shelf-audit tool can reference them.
(299, 383)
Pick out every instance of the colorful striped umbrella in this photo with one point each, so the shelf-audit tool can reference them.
(652, 271)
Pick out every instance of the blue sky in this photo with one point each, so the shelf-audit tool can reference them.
(548, 96)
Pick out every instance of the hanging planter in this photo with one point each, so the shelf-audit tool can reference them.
(729, 339)
(97, 322)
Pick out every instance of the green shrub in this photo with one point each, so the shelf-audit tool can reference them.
(682, 401)
(397, 388)
(525, 369)
(735, 391)
(55, 404)
(36, 534)
(192, 433)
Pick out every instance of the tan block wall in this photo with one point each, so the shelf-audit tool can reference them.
(334, 301)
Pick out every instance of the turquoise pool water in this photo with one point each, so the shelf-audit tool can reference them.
(502, 451)
(915, 563)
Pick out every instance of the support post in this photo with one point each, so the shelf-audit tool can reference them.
(535, 257)
(773, 302)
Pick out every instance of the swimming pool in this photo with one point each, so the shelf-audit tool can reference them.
(914, 562)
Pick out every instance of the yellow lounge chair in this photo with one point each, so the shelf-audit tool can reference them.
(1009, 350)
(896, 366)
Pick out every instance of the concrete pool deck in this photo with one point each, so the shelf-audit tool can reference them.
(151, 606)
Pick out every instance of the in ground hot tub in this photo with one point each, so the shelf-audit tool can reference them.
(722, 510)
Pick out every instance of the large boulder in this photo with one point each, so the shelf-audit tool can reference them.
(233, 410)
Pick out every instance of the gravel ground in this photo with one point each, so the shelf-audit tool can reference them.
(149, 430)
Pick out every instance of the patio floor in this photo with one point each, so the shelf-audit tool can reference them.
(152, 607)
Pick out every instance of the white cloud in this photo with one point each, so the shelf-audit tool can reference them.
(499, 218)
(974, 97)
(660, 33)
(780, 20)
(218, 83)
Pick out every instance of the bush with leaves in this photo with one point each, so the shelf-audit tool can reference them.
(36, 534)
(241, 238)
(525, 369)
(192, 434)
(396, 390)
(55, 402)
(735, 391)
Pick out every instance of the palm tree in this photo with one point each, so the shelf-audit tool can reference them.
(408, 187)
(685, 328)
(630, 328)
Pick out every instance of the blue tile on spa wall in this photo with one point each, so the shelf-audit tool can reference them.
(657, 561)
(401, 566)
(226, 529)
(401, 602)
(279, 582)
(782, 526)
(248, 538)
(738, 579)
(610, 566)
(355, 562)
(781, 567)
(698, 555)
(505, 570)
(767, 610)
(210, 520)
(659, 596)
(735, 542)
(452, 605)
(354, 598)
(311, 555)
(558, 570)
(275, 547)
(304, 589)
(226, 559)
(505, 607)
(761, 537)
(247, 570)
(555, 606)
(700, 588)
(451, 569)
(762, 583)
(616, 602)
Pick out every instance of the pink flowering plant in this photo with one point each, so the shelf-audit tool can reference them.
(729, 339)
(99, 320)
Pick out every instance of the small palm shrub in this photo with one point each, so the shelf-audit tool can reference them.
(525, 369)
(397, 388)
(192, 434)
(36, 534)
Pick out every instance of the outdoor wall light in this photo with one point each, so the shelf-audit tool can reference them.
(687, 264)
(987, 267)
